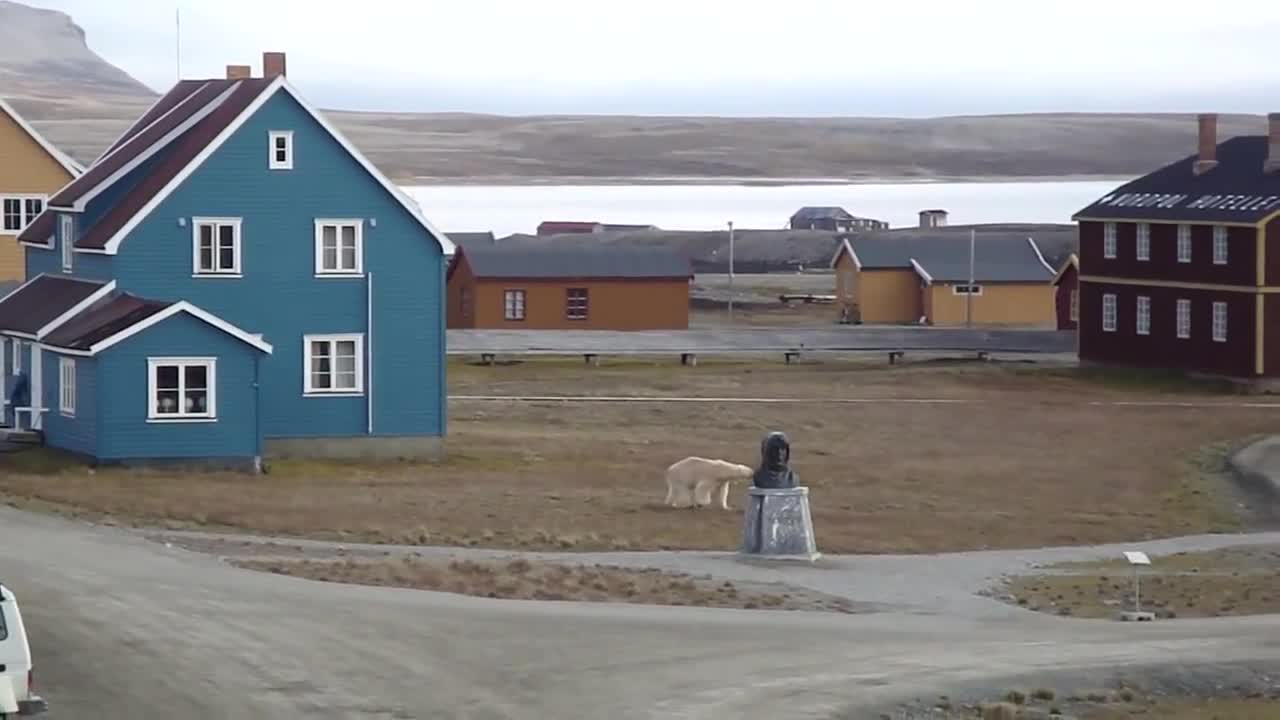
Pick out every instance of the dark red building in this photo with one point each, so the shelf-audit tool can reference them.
(1181, 267)
(1066, 293)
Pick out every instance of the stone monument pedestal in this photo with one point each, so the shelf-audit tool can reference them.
(778, 525)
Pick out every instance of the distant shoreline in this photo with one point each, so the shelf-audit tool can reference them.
(601, 181)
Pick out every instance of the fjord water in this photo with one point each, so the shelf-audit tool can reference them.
(507, 209)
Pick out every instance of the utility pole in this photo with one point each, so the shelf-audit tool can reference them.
(177, 40)
(968, 297)
(730, 272)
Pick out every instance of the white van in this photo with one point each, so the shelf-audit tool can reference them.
(16, 698)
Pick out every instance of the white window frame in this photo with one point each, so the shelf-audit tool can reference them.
(1109, 240)
(1183, 319)
(1220, 235)
(182, 363)
(569, 309)
(67, 232)
(509, 308)
(1143, 321)
(338, 224)
(333, 339)
(1142, 248)
(17, 356)
(24, 218)
(1074, 312)
(272, 137)
(1219, 321)
(976, 289)
(1109, 312)
(67, 386)
(217, 223)
(1184, 243)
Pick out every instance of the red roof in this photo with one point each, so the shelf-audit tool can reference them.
(185, 149)
(88, 328)
(41, 301)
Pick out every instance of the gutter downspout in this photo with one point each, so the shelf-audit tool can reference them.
(257, 412)
(368, 351)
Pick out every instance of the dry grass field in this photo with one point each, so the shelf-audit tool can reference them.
(1234, 581)
(1019, 458)
(522, 579)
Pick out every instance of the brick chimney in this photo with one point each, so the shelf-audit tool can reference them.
(273, 64)
(239, 72)
(1273, 144)
(1208, 159)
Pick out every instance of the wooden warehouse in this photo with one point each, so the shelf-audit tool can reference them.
(593, 288)
(886, 279)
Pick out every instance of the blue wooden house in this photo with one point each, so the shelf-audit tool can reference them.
(230, 279)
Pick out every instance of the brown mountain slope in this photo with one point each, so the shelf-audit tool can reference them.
(81, 102)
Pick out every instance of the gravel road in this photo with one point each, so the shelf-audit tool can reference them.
(125, 627)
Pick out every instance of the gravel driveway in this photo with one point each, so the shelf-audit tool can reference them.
(124, 627)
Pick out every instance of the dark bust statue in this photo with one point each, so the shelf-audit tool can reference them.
(773, 473)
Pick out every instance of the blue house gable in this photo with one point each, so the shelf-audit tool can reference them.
(237, 197)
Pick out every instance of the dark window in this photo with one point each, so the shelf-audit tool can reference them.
(12, 214)
(464, 302)
(576, 302)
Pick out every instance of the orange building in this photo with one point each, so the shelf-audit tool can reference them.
(597, 288)
(31, 169)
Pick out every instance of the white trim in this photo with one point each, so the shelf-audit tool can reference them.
(272, 162)
(217, 223)
(1226, 244)
(23, 221)
(1072, 260)
(1177, 319)
(1115, 312)
(368, 349)
(1213, 321)
(924, 274)
(16, 365)
(1110, 240)
(76, 309)
(36, 376)
(113, 244)
(211, 390)
(1039, 256)
(67, 387)
(63, 159)
(174, 309)
(165, 140)
(338, 224)
(66, 230)
(846, 246)
(1178, 243)
(333, 339)
(120, 141)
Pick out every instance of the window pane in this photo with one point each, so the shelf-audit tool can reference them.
(348, 258)
(349, 236)
(167, 377)
(167, 401)
(34, 207)
(197, 377)
(319, 348)
(329, 236)
(197, 401)
(227, 259)
(320, 381)
(346, 381)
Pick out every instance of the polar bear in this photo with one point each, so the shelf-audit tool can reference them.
(691, 481)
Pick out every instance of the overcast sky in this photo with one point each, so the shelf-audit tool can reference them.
(730, 57)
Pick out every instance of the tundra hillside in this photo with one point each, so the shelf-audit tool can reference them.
(81, 102)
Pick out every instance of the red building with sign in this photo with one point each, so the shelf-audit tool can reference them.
(1181, 267)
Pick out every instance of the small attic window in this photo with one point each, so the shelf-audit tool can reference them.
(280, 143)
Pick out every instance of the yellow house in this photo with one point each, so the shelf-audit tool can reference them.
(31, 169)
(925, 279)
